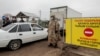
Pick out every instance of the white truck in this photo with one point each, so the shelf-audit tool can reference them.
(63, 13)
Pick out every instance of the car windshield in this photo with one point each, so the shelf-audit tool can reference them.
(6, 28)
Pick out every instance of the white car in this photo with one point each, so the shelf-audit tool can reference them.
(16, 34)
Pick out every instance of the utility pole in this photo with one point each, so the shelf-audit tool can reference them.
(40, 14)
(39, 21)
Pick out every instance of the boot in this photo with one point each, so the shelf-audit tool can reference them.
(55, 46)
(50, 45)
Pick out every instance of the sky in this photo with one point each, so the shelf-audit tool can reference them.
(88, 8)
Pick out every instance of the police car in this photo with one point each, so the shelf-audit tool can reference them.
(16, 34)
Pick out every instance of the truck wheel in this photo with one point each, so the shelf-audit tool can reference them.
(14, 45)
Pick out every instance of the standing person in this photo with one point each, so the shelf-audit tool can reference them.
(7, 22)
(4, 20)
(53, 31)
(57, 31)
(21, 20)
(14, 20)
(33, 20)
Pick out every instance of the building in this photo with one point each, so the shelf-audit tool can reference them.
(44, 23)
(28, 17)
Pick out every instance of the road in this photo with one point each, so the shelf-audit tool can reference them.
(38, 48)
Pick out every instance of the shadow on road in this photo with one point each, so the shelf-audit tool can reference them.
(23, 46)
(3, 49)
(32, 43)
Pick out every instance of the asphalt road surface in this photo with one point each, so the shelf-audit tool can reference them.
(38, 48)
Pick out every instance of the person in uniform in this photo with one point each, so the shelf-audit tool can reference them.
(53, 32)
(33, 20)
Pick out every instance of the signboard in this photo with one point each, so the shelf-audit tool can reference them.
(83, 32)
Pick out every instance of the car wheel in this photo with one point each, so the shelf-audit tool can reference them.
(14, 45)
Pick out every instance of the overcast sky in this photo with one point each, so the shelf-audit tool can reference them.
(88, 8)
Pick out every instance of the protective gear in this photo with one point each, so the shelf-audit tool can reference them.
(53, 32)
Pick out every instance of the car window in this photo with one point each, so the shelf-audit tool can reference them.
(6, 28)
(14, 29)
(36, 27)
(24, 27)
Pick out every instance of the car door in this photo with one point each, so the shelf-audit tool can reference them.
(25, 33)
(13, 33)
(38, 32)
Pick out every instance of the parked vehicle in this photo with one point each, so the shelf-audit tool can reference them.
(16, 34)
